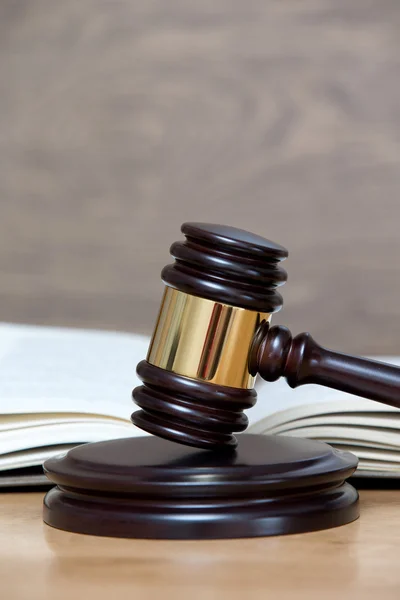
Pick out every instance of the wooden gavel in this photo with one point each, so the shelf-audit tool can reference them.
(213, 335)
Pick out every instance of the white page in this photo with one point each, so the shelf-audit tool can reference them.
(349, 435)
(376, 454)
(10, 422)
(61, 433)
(339, 406)
(32, 457)
(46, 370)
(376, 422)
(379, 468)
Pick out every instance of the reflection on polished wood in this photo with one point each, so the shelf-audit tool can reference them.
(360, 560)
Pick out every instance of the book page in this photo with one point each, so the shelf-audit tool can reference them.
(350, 436)
(339, 409)
(64, 433)
(378, 422)
(30, 421)
(57, 370)
(31, 457)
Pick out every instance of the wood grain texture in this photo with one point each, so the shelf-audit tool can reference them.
(359, 560)
(120, 120)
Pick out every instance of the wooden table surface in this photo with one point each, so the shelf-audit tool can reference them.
(361, 560)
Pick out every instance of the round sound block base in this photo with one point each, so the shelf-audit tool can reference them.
(153, 488)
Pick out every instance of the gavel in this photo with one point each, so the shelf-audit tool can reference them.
(213, 336)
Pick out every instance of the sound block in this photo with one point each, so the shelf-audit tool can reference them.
(152, 488)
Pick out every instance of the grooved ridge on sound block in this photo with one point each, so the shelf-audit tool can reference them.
(152, 488)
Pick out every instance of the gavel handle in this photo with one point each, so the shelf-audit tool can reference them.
(301, 360)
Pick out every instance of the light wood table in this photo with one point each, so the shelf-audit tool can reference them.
(361, 560)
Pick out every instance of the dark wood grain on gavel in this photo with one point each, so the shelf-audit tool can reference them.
(224, 283)
(301, 360)
(189, 411)
(211, 334)
(240, 269)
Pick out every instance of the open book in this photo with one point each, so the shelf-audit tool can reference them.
(63, 387)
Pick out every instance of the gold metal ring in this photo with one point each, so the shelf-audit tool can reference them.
(204, 340)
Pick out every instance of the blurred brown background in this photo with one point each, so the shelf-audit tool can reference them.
(120, 119)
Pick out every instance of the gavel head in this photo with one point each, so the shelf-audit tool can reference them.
(220, 295)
